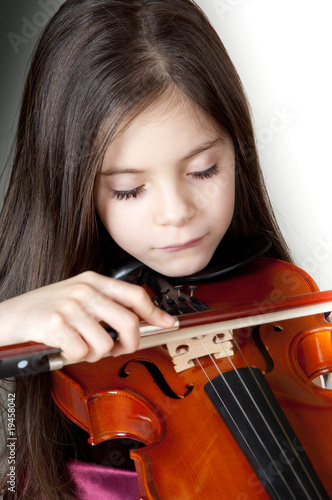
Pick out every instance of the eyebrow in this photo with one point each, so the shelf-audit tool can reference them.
(203, 147)
(200, 149)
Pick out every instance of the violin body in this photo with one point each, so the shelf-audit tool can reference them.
(190, 452)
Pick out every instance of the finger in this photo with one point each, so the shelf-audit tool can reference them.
(85, 321)
(126, 324)
(100, 308)
(73, 347)
(60, 333)
(131, 296)
(147, 310)
(96, 338)
(79, 335)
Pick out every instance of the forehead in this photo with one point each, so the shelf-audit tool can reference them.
(171, 122)
(171, 105)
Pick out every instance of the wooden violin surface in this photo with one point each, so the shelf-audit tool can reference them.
(190, 452)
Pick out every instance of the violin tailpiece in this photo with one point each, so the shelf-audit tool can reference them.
(184, 352)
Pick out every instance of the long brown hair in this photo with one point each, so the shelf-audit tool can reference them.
(96, 62)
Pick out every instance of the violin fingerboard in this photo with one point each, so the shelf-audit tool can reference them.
(249, 408)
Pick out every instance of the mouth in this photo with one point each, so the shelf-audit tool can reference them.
(182, 246)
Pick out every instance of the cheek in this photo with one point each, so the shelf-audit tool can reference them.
(217, 194)
(124, 226)
(220, 199)
(222, 212)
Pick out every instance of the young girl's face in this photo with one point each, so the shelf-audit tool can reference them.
(166, 189)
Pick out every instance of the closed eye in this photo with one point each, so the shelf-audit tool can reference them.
(125, 195)
(206, 174)
(133, 193)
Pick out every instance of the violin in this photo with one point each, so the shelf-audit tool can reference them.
(235, 407)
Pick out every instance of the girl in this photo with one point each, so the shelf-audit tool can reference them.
(134, 138)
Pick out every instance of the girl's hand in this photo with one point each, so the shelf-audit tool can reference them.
(68, 315)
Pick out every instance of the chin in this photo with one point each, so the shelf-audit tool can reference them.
(183, 267)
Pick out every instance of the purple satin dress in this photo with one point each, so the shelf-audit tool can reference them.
(97, 482)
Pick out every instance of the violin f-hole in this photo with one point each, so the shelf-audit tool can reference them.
(157, 376)
(255, 334)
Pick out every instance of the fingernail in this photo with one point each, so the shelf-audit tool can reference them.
(168, 319)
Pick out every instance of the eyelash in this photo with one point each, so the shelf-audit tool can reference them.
(133, 193)
(206, 174)
(125, 195)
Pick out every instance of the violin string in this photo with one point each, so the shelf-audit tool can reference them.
(234, 422)
(305, 470)
(258, 410)
(243, 412)
(231, 417)
(247, 419)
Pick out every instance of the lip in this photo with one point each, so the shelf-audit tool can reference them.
(183, 246)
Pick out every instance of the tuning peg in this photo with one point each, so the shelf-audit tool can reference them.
(178, 288)
(155, 300)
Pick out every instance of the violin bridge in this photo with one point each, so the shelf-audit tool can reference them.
(184, 352)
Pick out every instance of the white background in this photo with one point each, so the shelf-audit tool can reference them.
(282, 51)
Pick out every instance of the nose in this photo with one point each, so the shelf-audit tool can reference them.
(174, 206)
